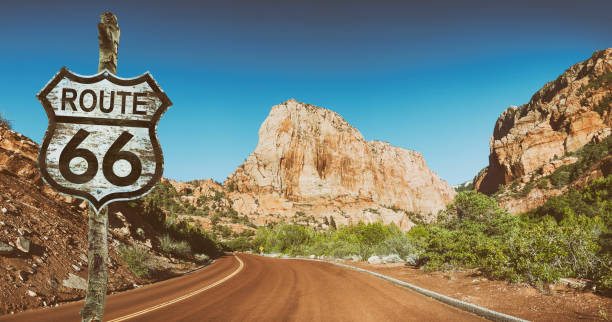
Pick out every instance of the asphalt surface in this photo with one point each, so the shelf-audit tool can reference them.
(254, 288)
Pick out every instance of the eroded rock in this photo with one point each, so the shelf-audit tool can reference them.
(310, 160)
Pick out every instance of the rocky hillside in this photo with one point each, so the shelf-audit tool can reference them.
(43, 237)
(309, 160)
(559, 119)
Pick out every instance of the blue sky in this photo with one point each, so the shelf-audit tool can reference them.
(428, 77)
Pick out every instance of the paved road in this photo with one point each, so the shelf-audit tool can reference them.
(253, 288)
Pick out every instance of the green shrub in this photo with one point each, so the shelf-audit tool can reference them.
(239, 244)
(341, 249)
(136, 258)
(546, 251)
(360, 239)
(475, 233)
(542, 183)
(176, 248)
(560, 178)
(398, 243)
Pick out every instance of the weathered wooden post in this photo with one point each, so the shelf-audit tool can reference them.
(101, 146)
(108, 38)
(97, 238)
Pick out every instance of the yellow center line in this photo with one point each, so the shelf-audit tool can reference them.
(186, 296)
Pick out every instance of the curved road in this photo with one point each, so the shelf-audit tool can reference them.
(253, 288)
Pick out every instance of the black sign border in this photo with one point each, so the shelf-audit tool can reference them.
(152, 126)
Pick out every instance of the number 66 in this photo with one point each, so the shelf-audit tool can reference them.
(113, 155)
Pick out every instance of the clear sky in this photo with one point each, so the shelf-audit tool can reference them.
(431, 77)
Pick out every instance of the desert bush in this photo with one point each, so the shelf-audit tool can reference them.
(341, 249)
(476, 233)
(136, 258)
(398, 244)
(174, 247)
(360, 239)
(588, 215)
(546, 251)
(542, 183)
(560, 178)
(239, 244)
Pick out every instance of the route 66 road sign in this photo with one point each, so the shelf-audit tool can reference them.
(101, 144)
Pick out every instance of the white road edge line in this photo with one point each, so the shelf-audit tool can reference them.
(478, 310)
(186, 296)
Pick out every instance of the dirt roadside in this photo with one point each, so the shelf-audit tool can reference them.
(557, 303)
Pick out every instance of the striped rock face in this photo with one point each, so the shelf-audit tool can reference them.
(310, 160)
(101, 144)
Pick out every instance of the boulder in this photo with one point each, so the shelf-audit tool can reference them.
(6, 249)
(23, 244)
(75, 282)
(411, 260)
(375, 260)
(392, 258)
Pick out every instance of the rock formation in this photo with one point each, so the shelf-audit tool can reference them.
(310, 160)
(560, 118)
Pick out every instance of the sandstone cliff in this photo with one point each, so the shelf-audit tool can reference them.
(560, 118)
(310, 160)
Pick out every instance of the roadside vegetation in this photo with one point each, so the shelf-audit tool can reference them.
(174, 247)
(214, 208)
(178, 237)
(137, 259)
(570, 236)
(363, 240)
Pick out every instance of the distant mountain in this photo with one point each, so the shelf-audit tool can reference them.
(310, 161)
